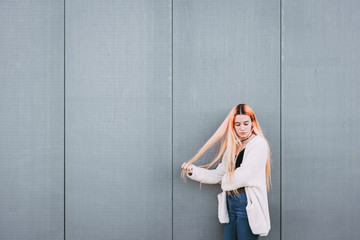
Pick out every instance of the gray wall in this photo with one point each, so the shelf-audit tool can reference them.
(320, 120)
(31, 120)
(225, 53)
(94, 129)
(118, 120)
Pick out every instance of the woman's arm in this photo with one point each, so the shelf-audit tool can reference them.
(209, 176)
(251, 171)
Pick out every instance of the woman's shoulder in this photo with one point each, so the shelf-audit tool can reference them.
(258, 140)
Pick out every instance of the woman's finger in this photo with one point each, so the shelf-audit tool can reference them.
(189, 168)
(184, 166)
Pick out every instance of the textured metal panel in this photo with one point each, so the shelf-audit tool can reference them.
(118, 120)
(32, 120)
(225, 53)
(321, 134)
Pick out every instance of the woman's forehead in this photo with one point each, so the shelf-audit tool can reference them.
(242, 118)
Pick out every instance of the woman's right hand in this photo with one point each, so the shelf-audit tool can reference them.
(187, 167)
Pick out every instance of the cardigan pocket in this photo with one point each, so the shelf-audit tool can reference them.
(256, 218)
(223, 214)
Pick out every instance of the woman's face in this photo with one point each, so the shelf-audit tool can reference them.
(242, 125)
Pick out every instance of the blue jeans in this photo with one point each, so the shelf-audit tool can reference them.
(238, 228)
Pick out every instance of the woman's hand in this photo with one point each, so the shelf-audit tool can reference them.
(187, 167)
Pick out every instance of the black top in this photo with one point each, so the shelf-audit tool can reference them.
(239, 158)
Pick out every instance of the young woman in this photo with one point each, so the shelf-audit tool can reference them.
(244, 174)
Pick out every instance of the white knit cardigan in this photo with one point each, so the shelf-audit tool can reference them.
(251, 175)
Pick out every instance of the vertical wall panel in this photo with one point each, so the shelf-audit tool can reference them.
(225, 53)
(321, 119)
(118, 120)
(32, 120)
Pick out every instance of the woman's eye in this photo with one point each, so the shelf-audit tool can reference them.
(240, 124)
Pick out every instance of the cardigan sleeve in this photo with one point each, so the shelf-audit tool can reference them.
(252, 171)
(209, 176)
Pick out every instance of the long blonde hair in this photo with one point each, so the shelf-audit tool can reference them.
(227, 138)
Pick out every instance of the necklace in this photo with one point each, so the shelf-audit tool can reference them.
(247, 138)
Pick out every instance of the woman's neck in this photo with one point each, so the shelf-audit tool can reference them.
(247, 140)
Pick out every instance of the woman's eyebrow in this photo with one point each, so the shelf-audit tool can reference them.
(244, 122)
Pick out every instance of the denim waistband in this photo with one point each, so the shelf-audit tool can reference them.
(232, 192)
